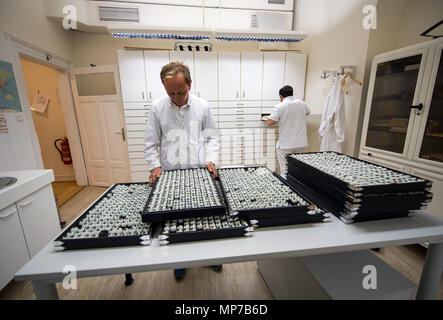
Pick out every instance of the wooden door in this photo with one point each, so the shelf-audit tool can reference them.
(102, 126)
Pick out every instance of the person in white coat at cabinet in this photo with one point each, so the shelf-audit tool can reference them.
(291, 114)
(180, 131)
(332, 125)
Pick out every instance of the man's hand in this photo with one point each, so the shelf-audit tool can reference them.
(211, 168)
(155, 174)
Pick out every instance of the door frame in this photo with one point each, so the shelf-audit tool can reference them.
(19, 48)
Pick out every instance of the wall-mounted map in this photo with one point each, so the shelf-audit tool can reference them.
(9, 98)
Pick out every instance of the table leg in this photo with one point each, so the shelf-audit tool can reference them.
(45, 290)
(431, 273)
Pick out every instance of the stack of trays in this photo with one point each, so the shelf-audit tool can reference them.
(113, 220)
(356, 190)
(257, 193)
(203, 228)
(190, 207)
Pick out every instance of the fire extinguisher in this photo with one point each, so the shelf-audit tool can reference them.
(65, 153)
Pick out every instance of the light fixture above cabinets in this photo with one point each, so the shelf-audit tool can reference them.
(186, 20)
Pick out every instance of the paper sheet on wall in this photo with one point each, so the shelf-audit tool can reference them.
(3, 124)
(40, 103)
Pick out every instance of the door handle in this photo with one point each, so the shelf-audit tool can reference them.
(419, 107)
(122, 133)
(244, 94)
(143, 95)
(8, 214)
(26, 203)
(150, 96)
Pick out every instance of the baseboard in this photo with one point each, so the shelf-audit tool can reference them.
(64, 178)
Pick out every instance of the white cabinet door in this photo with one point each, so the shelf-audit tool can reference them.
(13, 251)
(273, 74)
(39, 218)
(154, 62)
(251, 75)
(295, 73)
(187, 58)
(206, 84)
(229, 75)
(132, 75)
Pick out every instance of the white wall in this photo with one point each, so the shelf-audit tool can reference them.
(26, 20)
(335, 37)
(16, 150)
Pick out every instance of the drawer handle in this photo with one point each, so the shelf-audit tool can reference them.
(26, 203)
(8, 214)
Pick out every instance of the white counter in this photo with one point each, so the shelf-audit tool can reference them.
(28, 181)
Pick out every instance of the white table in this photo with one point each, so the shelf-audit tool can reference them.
(46, 268)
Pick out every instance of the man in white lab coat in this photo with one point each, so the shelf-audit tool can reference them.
(180, 131)
(291, 115)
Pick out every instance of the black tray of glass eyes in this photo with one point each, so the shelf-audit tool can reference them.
(284, 221)
(162, 215)
(329, 204)
(199, 235)
(104, 240)
(260, 213)
(346, 187)
(370, 202)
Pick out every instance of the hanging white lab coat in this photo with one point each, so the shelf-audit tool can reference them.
(332, 125)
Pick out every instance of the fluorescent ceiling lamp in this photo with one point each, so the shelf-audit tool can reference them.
(209, 34)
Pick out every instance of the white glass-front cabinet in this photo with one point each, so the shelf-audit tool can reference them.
(403, 124)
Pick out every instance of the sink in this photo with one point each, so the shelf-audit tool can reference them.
(7, 181)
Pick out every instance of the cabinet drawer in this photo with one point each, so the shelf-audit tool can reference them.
(13, 250)
(135, 127)
(254, 110)
(267, 109)
(137, 168)
(136, 120)
(239, 117)
(136, 155)
(269, 103)
(136, 113)
(136, 141)
(239, 104)
(39, 218)
(257, 139)
(140, 176)
(135, 134)
(136, 148)
(138, 162)
(239, 124)
(136, 105)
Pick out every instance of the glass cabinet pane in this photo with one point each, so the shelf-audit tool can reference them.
(432, 145)
(393, 95)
